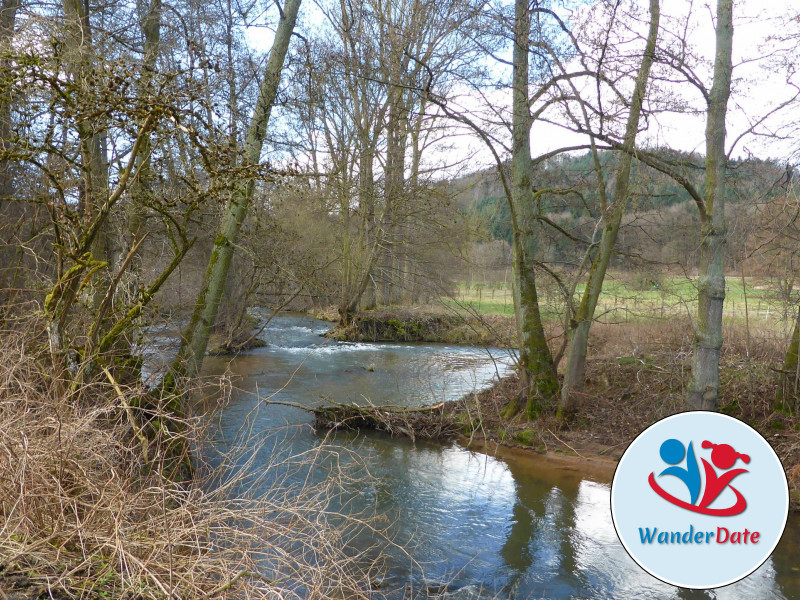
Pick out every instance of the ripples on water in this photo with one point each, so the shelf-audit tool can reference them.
(513, 526)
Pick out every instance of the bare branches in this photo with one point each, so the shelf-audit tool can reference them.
(79, 511)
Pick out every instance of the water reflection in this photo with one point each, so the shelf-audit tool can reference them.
(516, 526)
(785, 559)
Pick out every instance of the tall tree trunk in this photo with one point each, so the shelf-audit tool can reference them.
(411, 282)
(195, 340)
(141, 189)
(789, 380)
(80, 58)
(393, 194)
(362, 255)
(9, 269)
(8, 16)
(612, 218)
(538, 375)
(91, 134)
(704, 387)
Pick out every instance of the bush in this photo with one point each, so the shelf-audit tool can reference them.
(83, 514)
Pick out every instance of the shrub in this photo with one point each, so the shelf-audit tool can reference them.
(82, 514)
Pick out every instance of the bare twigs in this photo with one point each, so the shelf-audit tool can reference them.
(80, 517)
(429, 422)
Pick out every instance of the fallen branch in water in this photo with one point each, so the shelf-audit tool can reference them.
(427, 422)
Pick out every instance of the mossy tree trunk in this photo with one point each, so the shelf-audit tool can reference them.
(363, 227)
(91, 133)
(361, 255)
(704, 387)
(539, 384)
(8, 17)
(9, 267)
(396, 138)
(611, 219)
(80, 59)
(195, 340)
(141, 188)
(788, 392)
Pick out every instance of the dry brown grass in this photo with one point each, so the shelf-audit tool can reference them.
(637, 374)
(81, 518)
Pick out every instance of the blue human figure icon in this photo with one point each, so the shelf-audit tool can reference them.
(672, 452)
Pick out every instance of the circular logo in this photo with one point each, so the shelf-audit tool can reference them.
(699, 500)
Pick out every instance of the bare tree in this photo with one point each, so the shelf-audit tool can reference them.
(8, 16)
(141, 189)
(369, 134)
(195, 340)
(538, 374)
(611, 219)
(704, 387)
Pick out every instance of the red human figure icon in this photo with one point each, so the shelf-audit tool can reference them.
(724, 457)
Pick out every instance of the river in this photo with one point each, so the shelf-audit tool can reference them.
(512, 526)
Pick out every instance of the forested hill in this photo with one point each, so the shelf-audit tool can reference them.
(575, 199)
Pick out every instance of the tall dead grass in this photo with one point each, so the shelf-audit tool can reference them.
(758, 340)
(81, 518)
(638, 372)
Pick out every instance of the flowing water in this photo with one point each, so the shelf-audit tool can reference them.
(507, 526)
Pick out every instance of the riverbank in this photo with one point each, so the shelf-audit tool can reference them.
(618, 405)
(638, 375)
(423, 324)
(625, 395)
(91, 508)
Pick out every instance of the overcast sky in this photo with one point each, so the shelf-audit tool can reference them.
(760, 85)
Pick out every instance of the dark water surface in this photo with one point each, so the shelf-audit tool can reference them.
(514, 526)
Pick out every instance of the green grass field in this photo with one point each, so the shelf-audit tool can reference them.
(629, 300)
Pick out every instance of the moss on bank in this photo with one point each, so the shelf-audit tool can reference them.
(220, 347)
(242, 336)
(415, 325)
